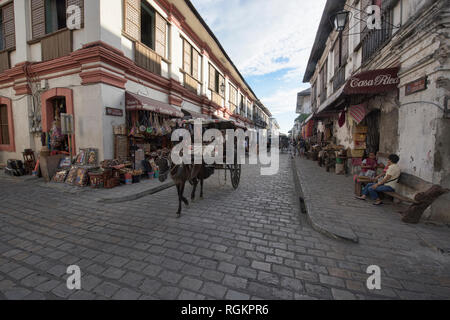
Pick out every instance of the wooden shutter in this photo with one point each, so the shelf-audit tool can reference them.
(8, 25)
(212, 78)
(324, 78)
(233, 94)
(160, 35)
(345, 44)
(132, 19)
(221, 84)
(336, 56)
(80, 4)
(38, 18)
(195, 60)
(187, 57)
(4, 130)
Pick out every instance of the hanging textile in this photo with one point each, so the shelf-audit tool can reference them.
(341, 121)
(358, 113)
(309, 129)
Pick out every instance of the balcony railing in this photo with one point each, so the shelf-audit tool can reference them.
(216, 98)
(4, 61)
(56, 45)
(233, 108)
(375, 39)
(147, 58)
(339, 78)
(190, 83)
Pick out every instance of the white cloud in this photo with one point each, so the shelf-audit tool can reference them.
(283, 100)
(264, 36)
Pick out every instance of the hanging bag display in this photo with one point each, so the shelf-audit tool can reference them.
(158, 127)
(142, 127)
(163, 128)
(149, 127)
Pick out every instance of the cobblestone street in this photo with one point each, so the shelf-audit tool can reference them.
(253, 243)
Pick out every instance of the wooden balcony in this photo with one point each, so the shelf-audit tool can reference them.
(374, 39)
(190, 83)
(323, 95)
(56, 45)
(147, 58)
(233, 108)
(4, 61)
(216, 98)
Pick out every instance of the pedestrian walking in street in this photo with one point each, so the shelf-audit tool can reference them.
(302, 148)
(294, 149)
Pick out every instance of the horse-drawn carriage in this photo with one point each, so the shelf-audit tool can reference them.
(234, 168)
(195, 173)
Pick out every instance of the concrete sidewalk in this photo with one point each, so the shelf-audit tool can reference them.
(119, 194)
(333, 210)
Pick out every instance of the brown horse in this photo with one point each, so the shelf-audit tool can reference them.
(195, 174)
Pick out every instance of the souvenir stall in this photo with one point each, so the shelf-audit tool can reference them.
(147, 142)
(82, 170)
(55, 145)
(54, 140)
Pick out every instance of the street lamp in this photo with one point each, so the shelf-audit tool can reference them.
(222, 88)
(340, 20)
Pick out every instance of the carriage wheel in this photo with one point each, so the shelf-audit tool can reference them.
(235, 171)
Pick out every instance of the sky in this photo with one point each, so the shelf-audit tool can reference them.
(270, 42)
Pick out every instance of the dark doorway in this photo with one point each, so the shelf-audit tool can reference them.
(372, 121)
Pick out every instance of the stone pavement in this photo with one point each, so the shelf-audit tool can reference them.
(252, 243)
(119, 194)
(333, 210)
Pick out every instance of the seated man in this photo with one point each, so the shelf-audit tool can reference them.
(387, 184)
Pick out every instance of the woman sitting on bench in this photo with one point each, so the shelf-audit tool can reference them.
(387, 184)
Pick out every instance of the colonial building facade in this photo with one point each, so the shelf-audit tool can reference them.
(158, 50)
(397, 75)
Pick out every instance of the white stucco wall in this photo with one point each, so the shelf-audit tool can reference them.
(114, 98)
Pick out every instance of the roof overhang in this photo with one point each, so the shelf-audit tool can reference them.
(325, 28)
(134, 101)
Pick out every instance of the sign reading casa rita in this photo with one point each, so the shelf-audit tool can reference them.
(374, 81)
